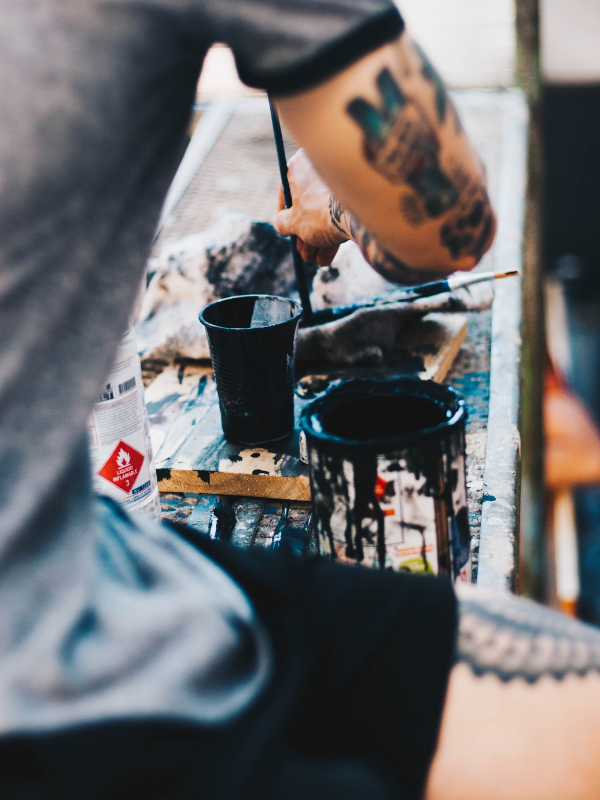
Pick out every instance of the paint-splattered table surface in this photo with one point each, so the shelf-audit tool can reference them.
(257, 519)
(487, 367)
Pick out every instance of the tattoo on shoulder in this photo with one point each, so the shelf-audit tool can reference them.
(429, 72)
(401, 144)
(336, 214)
(442, 99)
(396, 271)
(515, 638)
(458, 126)
(470, 225)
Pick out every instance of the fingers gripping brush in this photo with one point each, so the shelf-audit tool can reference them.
(411, 293)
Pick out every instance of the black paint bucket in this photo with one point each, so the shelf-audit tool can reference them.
(387, 475)
(252, 340)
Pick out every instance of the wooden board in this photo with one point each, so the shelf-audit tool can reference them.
(185, 425)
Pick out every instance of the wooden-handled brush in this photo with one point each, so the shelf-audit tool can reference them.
(299, 271)
(410, 293)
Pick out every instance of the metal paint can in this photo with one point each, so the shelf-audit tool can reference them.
(387, 475)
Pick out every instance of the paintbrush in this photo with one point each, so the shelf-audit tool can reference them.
(292, 536)
(303, 291)
(410, 293)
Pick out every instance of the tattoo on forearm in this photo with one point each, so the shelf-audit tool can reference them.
(387, 265)
(402, 145)
(515, 638)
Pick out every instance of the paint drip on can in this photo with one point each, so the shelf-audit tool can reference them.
(119, 436)
(388, 475)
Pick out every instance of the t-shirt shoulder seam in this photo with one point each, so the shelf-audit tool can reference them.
(332, 58)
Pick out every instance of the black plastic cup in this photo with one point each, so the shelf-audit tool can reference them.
(252, 340)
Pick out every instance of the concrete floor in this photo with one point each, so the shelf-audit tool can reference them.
(471, 42)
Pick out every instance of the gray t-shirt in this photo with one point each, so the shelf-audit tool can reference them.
(102, 616)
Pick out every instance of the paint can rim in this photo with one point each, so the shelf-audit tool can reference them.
(351, 389)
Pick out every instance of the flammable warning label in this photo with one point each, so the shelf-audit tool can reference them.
(122, 467)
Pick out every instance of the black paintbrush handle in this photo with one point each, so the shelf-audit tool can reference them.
(299, 270)
(222, 519)
(282, 160)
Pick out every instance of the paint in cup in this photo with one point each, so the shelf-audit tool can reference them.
(252, 340)
(387, 475)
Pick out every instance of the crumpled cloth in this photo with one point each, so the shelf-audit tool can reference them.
(241, 256)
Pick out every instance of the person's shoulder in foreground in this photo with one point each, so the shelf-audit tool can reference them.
(396, 171)
(96, 99)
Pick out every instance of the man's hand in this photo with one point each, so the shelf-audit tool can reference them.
(309, 218)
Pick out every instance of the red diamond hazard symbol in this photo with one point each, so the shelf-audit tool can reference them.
(122, 467)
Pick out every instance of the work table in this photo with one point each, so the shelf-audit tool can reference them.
(486, 370)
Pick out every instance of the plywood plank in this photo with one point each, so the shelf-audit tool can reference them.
(192, 455)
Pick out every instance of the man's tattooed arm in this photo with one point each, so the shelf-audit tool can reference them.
(402, 143)
(512, 637)
(387, 265)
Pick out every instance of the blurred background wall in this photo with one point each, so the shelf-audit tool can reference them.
(471, 42)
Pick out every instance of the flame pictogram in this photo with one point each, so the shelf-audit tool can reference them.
(122, 467)
(123, 459)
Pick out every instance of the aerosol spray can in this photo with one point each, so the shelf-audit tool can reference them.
(119, 436)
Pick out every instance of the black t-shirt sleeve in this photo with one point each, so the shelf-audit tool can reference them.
(286, 46)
